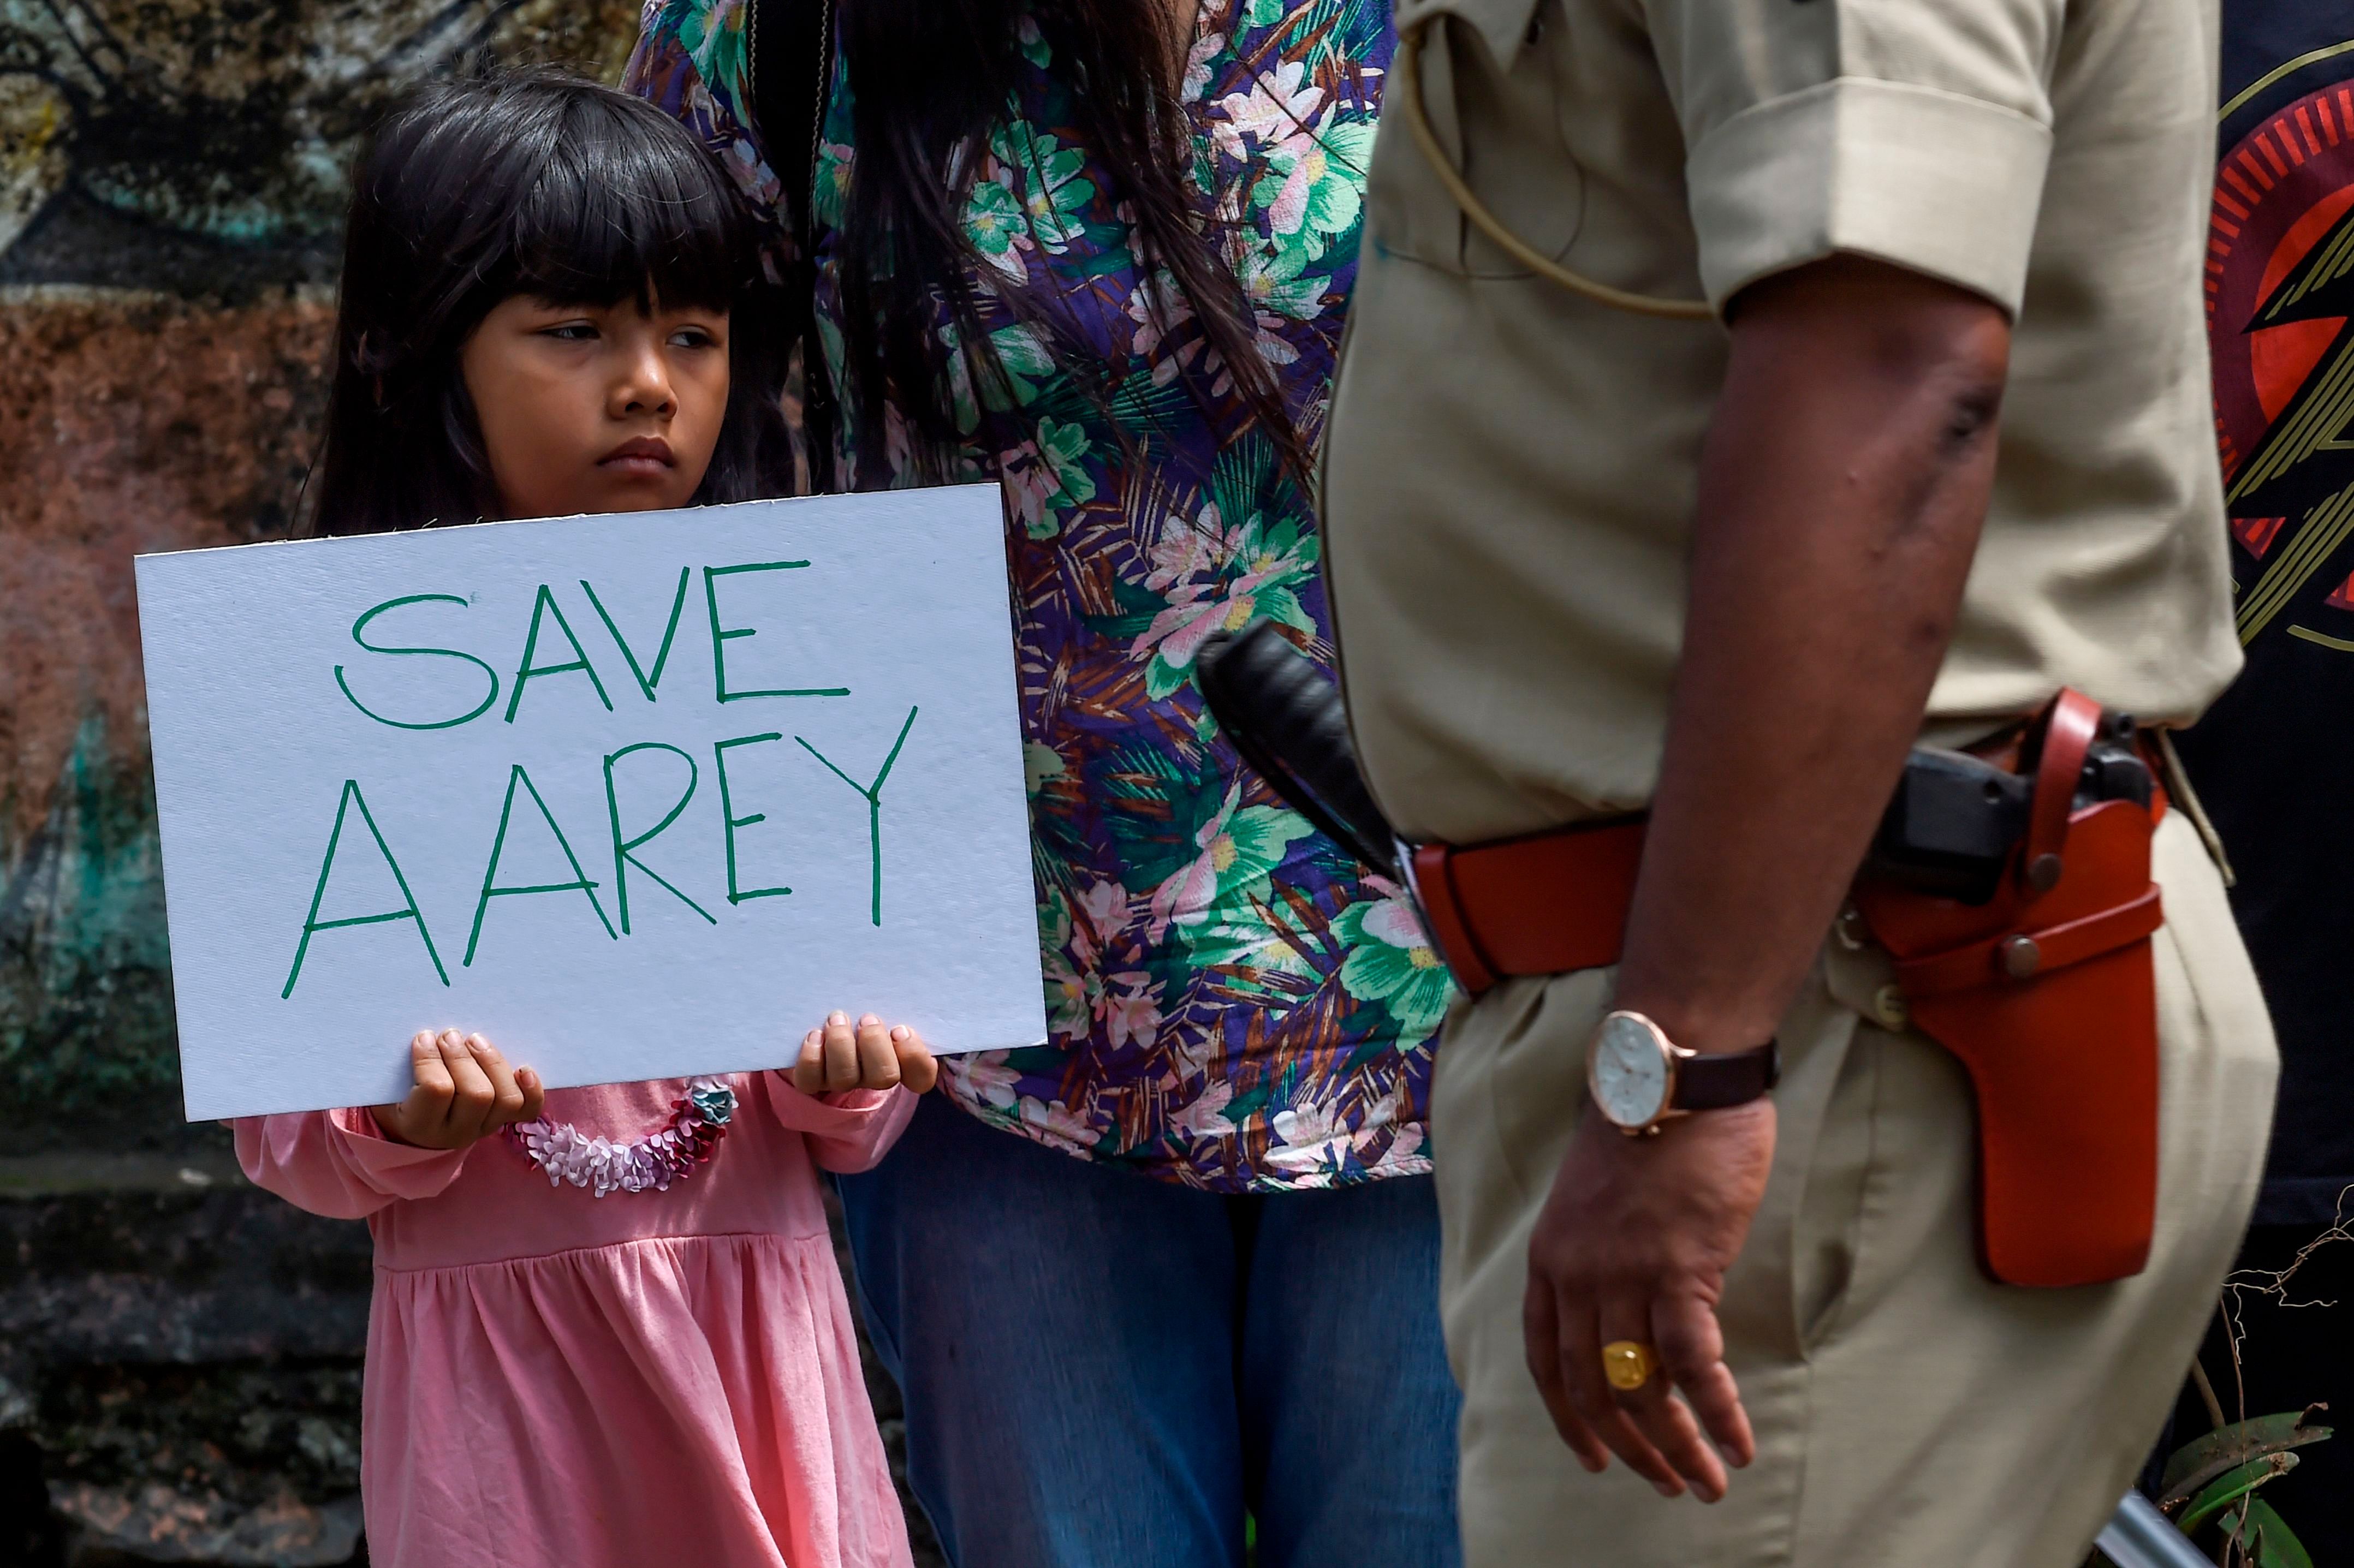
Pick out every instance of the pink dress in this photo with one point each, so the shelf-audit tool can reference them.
(565, 1381)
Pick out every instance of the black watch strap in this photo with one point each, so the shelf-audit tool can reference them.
(1715, 1083)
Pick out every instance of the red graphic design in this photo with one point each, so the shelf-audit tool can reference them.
(2280, 324)
(2256, 535)
(2277, 194)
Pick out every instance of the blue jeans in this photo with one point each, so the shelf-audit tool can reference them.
(1103, 1371)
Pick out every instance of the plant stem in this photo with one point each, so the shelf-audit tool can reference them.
(2207, 1392)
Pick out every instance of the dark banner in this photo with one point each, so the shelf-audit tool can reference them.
(2272, 761)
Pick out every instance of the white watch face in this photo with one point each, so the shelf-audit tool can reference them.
(1630, 1072)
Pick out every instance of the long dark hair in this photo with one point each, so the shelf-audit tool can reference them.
(469, 193)
(930, 79)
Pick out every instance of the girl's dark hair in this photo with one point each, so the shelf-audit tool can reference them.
(472, 192)
(930, 79)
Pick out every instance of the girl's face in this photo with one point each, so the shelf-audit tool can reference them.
(596, 408)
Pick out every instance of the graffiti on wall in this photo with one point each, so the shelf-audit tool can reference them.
(171, 184)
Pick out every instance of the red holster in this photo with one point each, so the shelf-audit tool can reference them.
(2046, 995)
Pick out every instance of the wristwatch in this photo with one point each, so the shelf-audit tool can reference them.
(1639, 1078)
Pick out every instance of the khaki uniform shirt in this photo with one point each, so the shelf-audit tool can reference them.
(1510, 468)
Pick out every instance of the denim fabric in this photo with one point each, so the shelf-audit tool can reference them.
(1106, 1371)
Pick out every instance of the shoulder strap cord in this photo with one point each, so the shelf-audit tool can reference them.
(1407, 87)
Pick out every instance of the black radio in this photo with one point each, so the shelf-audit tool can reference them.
(1949, 830)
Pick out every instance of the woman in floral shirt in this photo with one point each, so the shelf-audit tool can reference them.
(1199, 1278)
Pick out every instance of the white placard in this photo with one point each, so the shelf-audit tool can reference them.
(636, 796)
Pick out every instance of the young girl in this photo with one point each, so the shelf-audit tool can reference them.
(608, 1326)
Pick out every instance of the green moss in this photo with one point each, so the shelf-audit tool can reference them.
(86, 1036)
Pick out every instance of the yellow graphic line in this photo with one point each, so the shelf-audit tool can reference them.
(2312, 636)
(2270, 76)
(2323, 529)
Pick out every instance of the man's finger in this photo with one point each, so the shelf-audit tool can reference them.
(472, 1099)
(841, 1053)
(1541, 1338)
(1666, 1424)
(1691, 1347)
(809, 1068)
(1591, 1396)
(918, 1068)
(878, 1063)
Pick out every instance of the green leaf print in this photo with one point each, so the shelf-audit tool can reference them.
(1392, 962)
(1058, 481)
(1281, 281)
(714, 40)
(993, 220)
(1055, 175)
(1027, 364)
(1039, 765)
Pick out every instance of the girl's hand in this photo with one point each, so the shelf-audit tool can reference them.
(839, 1056)
(465, 1089)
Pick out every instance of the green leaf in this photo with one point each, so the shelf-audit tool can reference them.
(2195, 1464)
(2276, 1545)
(1242, 1107)
(2231, 1486)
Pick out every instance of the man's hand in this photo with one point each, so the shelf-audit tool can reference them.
(1633, 1244)
(1841, 491)
(465, 1089)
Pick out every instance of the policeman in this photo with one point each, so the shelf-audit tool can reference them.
(1739, 391)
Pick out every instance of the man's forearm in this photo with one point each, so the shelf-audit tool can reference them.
(1841, 493)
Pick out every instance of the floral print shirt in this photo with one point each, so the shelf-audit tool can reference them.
(1235, 1003)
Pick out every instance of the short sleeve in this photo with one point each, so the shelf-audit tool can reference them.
(1915, 131)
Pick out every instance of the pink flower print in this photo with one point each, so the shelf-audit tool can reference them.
(1162, 313)
(1186, 551)
(1206, 1117)
(1309, 1138)
(1177, 632)
(1198, 608)
(1102, 913)
(1392, 919)
(1185, 897)
(1030, 483)
(1277, 113)
(1132, 1015)
(1056, 1124)
(985, 1075)
(1197, 65)
(1404, 1157)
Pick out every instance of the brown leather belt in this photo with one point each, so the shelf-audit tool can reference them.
(1555, 902)
(1545, 903)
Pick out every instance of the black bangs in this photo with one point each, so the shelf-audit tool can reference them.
(547, 185)
(474, 191)
(618, 213)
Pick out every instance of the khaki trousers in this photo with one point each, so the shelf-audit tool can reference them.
(1909, 1413)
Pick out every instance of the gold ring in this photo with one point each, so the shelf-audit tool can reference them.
(1628, 1364)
